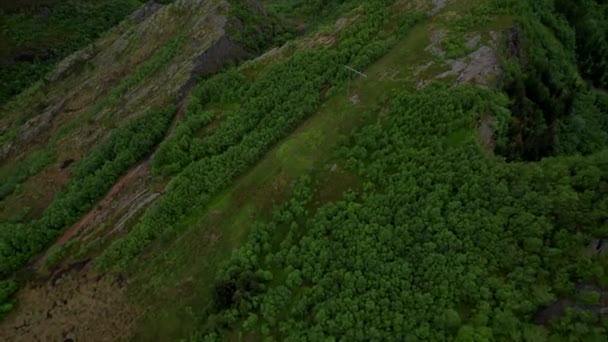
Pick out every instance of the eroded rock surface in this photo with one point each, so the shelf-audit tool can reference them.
(84, 78)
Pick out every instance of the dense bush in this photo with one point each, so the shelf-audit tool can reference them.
(7, 289)
(553, 111)
(589, 20)
(184, 145)
(271, 107)
(444, 242)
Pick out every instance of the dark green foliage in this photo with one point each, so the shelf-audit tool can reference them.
(184, 145)
(541, 79)
(589, 19)
(278, 100)
(579, 325)
(585, 130)
(589, 297)
(444, 241)
(35, 35)
(223, 294)
(7, 289)
(55, 255)
(553, 112)
(254, 29)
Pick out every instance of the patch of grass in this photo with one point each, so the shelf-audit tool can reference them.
(13, 176)
(296, 153)
(589, 297)
(178, 272)
(56, 255)
(458, 137)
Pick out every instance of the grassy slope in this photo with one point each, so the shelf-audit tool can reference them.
(174, 278)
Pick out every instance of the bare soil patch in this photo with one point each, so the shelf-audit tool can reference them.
(74, 303)
(109, 197)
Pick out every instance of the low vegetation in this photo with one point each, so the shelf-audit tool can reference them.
(430, 231)
(445, 242)
(35, 35)
(91, 178)
(282, 97)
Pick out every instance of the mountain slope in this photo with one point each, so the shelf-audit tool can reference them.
(452, 188)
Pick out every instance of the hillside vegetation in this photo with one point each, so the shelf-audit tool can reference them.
(35, 35)
(218, 171)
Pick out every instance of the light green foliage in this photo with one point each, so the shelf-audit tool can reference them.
(272, 106)
(475, 16)
(185, 144)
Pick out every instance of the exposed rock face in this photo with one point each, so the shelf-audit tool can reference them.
(145, 11)
(72, 304)
(439, 5)
(477, 68)
(486, 132)
(211, 60)
(435, 46)
(84, 78)
(513, 43)
(597, 247)
(79, 57)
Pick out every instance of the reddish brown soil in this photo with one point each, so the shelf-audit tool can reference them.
(75, 302)
(182, 110)
(114, 191)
